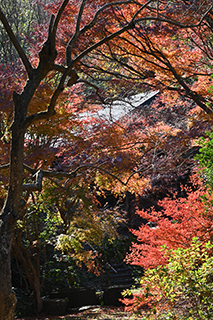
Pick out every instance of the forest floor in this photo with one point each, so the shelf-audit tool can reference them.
(91, 313)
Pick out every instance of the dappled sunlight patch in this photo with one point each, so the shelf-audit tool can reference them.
(93, 313)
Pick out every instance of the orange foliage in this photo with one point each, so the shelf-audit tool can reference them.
(137, 60)
(180, 220)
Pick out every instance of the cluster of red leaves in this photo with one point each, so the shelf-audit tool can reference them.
(175, 226)
(180, 220)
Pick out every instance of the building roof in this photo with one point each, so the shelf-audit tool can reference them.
(119, 108)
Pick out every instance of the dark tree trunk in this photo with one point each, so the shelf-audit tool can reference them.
(10, 210)
(8, 222)
(22, 255)
(7, 296)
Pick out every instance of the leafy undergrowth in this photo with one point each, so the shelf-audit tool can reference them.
(96, 312)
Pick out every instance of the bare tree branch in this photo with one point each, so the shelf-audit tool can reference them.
(127, 27)
(51, 108)
(131, 25)
(16, 43)
(5, 166)
(56, 22)
(173, 22)
(97, 89)
(192, 94)
(142, 7)
(40, 174)
(59, 68)
(91, 24)
(37, 186)
(76, 34)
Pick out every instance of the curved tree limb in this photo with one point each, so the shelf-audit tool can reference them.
(76, 34)
(16, 43)
(199, 100)
(91, 24)
(127, 27)
(97, 89)
(174, 22)
(56, 22)
(51, 108)
(5, 166)
(40, 174)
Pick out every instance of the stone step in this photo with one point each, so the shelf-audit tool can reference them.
(120, 274)
(121, 282)
(120, 270)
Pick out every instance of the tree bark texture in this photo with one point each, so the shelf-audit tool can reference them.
(7, 296)
(8, 221)
(33, 275)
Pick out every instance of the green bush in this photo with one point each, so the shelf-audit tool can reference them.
(182, 289)
(205, 158)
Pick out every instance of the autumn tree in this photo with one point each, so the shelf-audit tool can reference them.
(173, 231)
(75, 34)
(174, 60)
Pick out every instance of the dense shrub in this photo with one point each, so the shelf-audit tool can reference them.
(181, 289)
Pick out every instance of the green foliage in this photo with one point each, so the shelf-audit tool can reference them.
(205, 158)
(110, 249)
(22, 15)
(182, 289)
